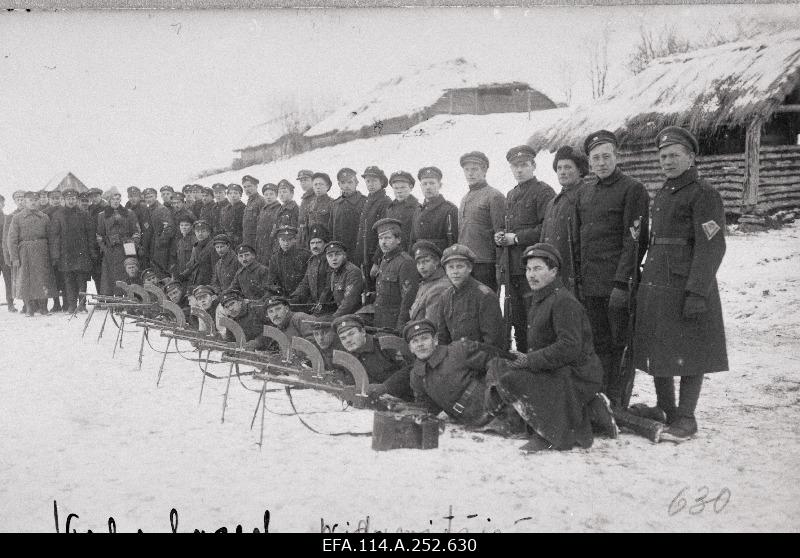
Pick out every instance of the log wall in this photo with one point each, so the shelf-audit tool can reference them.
(779, 175)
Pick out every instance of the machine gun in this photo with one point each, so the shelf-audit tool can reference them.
(134, 301)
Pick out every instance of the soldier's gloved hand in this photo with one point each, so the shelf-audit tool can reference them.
(317, 308)
(509, 239)
(619, 299)
(694, 306)
(520, 360)
(373, 272)
(498, 237)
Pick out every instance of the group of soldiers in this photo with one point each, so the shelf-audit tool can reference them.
(342, 271)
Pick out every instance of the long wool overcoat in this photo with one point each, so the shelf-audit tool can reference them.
(28, 247)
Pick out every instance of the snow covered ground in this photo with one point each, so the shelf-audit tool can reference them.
(98, 436)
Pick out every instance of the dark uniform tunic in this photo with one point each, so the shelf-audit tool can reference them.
(525, 209)
(385, 366)
(143, 215)
(318, 212)
(207, 212)
(72, 243)
(298, 324)
(252, 280)
(252, 321)
(289, 214)
(216, 215)
(436, 221)
(265, 231)
(224, 271)
(116, 227)
(183, 252)
(453, 380)
(200, 269)
(305, 199)
(429, 296)
(28, 249)
(347, 284)
(286, 269)
(686, 250)
(374, 210)
(471, 312)
(315, 287)
(563, 372)
(250, 219)
(404, 212)
(230, 222)
(480, 215)
(162, 227)
(345, 215)
(560, 223)
(395, 289)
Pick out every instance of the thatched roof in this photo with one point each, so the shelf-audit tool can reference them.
(410, 94)
(63, 180)
(701, 90)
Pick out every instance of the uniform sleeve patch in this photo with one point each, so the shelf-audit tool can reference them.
(710, 228)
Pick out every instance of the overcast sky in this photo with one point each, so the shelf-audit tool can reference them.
(150, 97)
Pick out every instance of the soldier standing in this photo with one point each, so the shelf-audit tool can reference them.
(480, 216)
(207, 199)
(347, 208)
(679, 326)
(5, 267)
(251, 211)
(200, 269)
(560, 219)
(608, 210)
(437, 219)
(469, 309)
(220, 204)
(118, 231)
(96, 205)
(404, 206)
(55, 201)
(525, 209)
(139, 207)
(232, 215)
(306, 179)
(366, 254)
(397, 281)
(289, 213)
(162, 227)
(27, 246)
(166, 196)
(318, 211)
(267, 223)
(8, 271)
(184, 244)
(287, 266)
(73, 248)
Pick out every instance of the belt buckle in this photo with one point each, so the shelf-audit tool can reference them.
(458, 408)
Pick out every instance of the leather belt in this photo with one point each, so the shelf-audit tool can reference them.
(672, 241)
(458, 406)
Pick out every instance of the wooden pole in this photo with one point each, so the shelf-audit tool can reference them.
(451, 103)
(752, 147)
(529, 104)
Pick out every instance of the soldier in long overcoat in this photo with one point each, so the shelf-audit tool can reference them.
(287, 266)
(27, 245)
(252, 210)
(679, 326)
(611, 210)
(162, 234)
(289, 213)
(230, 219)
(318, 211)
(72, 247)
(116, 227)
(267, 224)
(5, 224)
(346, 209)
(374, 210)
(306, 179)
(404, 205)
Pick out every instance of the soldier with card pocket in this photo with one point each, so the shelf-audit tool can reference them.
(679, 326)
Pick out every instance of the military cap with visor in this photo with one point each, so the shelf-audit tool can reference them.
(319, 231)
(305, 173)
(166, 188)
(147, 191)
(276, 301)
(387, 224)
(269, 186)
(418, 327)
(377, 173)
(249, 179)
(30, 194)
(70, 192)
(346, 173)
(324, 176)
(524, 152)
(348, 321)
(429, 172)
(244, 248)
(218, 187)
(402, 176)
(235, 188)
(597, 138)
(285, 184)
(424, 248)
(287, 230)
(202, 224)
(474, 157)
(672, 135)
(335, 246)
(542, 250)
(132, 190)
(230, 295)
(222, 239)
(458, 252)
(200, 290)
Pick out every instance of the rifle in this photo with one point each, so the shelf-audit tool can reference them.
(626, 367)
(576, 264)
(365, 266)
(505, 273)
(449, 233)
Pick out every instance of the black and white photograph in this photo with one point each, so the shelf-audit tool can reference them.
(377, 269)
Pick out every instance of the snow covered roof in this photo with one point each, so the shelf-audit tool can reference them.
(702, 89)
(408, 94)
(63, 180)
(270, 131)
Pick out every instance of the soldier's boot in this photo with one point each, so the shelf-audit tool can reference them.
(28, 307)
(682, 429)
(665, 397)
(11, 307)
(653, 413)
(685, 425)
(56, 304)
(602, 417)
(82, 304)
(41, 306)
